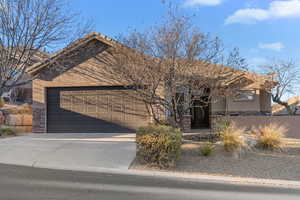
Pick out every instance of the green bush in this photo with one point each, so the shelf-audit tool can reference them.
(207, 149)
(7, 131)
(163, 122)
(158, 146)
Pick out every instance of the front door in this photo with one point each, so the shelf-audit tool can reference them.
(200, 114)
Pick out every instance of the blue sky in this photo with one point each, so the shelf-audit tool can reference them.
(262, 29)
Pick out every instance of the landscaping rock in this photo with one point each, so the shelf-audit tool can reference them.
(27, 120)
(251, 142)
(201, 137)
(2, 118)
(19, 120)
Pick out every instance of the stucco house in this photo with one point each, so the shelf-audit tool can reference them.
(74, 97)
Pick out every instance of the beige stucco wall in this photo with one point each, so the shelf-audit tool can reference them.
(260, 104)
(265, 102)
(291, 123)
(244, 106)
(218, 104)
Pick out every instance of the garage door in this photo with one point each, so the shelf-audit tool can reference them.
(94, 110)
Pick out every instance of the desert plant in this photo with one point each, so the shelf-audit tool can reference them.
(207, 149)
(233, 139)
(158, 145)
(271, 137)
(222, 125)
(7, 131)
(163, 122)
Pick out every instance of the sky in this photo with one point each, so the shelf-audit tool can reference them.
(261, 29)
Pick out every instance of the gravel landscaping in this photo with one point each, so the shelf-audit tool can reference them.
(255, 163)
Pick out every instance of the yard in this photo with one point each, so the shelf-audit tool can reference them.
(255, 163)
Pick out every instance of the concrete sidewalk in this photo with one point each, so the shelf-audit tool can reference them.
(69, 151)
(105, 153)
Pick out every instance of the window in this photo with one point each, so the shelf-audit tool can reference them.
(244, 95)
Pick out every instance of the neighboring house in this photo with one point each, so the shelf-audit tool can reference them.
(280, 110)
(23, 93)
(76, 96)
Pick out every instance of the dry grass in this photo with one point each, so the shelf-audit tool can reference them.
(233, 139)
(271, 137)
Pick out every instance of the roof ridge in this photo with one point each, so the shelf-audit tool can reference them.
(70, 46)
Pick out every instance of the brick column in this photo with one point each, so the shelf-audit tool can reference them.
(186, 123)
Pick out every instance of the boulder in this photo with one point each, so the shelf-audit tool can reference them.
(2, 118)
(19, 120)
(27, 120)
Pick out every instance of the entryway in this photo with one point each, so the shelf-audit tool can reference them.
(200, 113)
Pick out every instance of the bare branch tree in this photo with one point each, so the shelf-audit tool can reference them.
(168, 63)
(236, 61)
(27, 27)
(286, 74)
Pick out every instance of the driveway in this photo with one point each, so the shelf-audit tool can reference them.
(70, 151)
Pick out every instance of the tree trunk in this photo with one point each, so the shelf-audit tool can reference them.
(288, 107)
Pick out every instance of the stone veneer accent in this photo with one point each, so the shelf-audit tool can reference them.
(39, 118)
(186, 123)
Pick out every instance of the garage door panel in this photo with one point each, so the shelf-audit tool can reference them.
(93, 109)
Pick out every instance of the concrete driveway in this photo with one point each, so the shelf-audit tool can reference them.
(90, 152)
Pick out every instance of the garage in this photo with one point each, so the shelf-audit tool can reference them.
(73, 92)
(107, 109)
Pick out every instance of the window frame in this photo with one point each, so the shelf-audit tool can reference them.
(252, 91)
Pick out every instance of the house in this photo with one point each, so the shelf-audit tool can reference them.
(71, 94)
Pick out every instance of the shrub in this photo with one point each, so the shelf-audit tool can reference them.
(7, 131)
(233, 139)
(271, 136)
(222, 125)
(163, 122)
(207, 149)
(158, 145)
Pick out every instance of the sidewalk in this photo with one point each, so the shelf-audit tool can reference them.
(112, 156)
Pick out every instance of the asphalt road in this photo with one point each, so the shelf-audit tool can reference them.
(26, 183)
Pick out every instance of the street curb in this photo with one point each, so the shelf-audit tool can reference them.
(195, 177)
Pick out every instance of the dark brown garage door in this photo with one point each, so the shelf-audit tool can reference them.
(94, 110)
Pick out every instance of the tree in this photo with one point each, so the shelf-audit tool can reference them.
(26, 28)
(236, 61)
(286, 74)
(169, 61)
